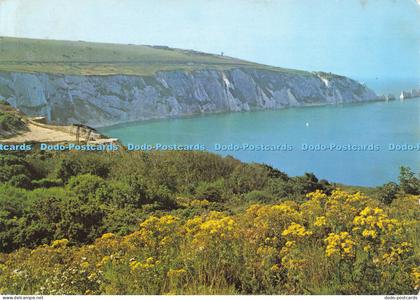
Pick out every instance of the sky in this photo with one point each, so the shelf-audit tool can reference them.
(364, 39)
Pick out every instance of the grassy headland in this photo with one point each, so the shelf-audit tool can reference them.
(86, 58)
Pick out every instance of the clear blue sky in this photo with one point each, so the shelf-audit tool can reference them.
(364, 39)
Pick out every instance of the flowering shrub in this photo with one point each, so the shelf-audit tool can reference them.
(337, 244)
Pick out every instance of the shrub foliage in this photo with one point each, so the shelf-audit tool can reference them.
(196, 223)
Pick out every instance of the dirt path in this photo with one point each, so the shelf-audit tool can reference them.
(43, 134)
(37, 133)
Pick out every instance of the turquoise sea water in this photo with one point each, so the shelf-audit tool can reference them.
(367, 128)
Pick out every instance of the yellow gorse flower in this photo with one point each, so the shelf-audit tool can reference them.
(287, 247)
(373, 221)
(415, 273)
(108, 235)
(199, 203)
(369, 233)
(397, 252)
(296, 230)
(147, 264)
(341, 244)
(59, 243)
(320, 221)
(176, 273)
(275, 268)
(218, 227)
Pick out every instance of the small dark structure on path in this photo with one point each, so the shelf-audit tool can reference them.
(85, 129)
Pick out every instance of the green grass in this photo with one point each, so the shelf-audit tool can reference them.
(368, 191)
(85, 58)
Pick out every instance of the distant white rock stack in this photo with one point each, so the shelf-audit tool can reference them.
(415, 93)
(410, 94)
(405, 95)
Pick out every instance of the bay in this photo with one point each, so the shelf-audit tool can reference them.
(360, 127)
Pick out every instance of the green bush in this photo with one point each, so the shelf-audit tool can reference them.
(81, 221)
(79, 196)
(13, 204)
(46, 183)
(86, 185)
(248, 177)
(73, 164)
(275, 173)
(11, 165)
(388, 192)
(10, 122)
(4, 102)
(161, 196)
(308, 183)
(211, 191)
(21, 181)
(409, 183)
(259, 197)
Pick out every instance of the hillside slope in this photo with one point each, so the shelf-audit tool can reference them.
(105, 84)
(11, 121)
(85, 58)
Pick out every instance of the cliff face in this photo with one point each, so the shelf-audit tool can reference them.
(106, 100)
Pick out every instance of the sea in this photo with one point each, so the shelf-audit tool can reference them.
(362, 144)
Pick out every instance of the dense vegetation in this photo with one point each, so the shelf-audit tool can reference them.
(10, 121)
(81, 196)
(69, 223)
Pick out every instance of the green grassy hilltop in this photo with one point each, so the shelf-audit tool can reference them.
(85, 58)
